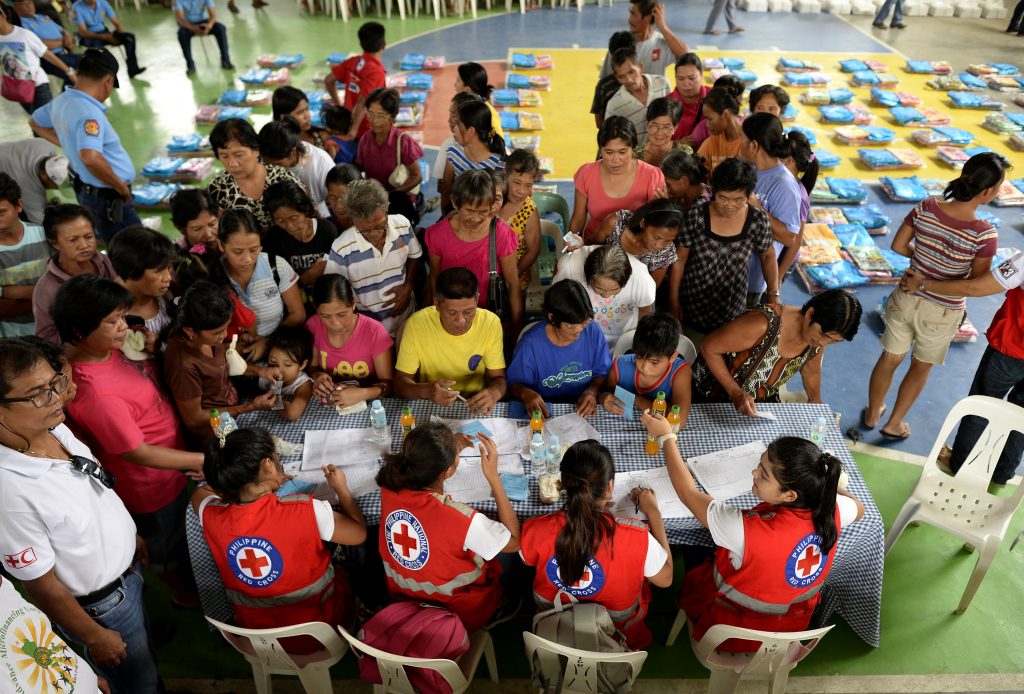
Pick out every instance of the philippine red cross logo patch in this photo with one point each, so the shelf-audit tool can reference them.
(806, 562)
(21, 559)
(91, 127)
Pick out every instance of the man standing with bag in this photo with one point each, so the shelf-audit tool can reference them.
(101, 171)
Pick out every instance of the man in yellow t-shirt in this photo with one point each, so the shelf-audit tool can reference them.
(452, 347)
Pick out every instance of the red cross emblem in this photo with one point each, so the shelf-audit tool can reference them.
(808, 562)
(407, 544)
(20, 559)
(584, 580)
(252, 562)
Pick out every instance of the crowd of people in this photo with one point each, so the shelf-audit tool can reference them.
(300, 277)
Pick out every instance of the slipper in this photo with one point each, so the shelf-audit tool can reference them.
(896, 437)
(864, 417)
(712, 33)
(737, 30)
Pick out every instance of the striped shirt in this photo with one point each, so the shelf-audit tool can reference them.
(23, 264)
(626, 105)
(461, 163)
(945, 248)
(373, 273)
(263, 295)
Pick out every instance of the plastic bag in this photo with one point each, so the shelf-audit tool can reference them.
(835, 114)
(905, 189)
(186, 143)
(866, 77)
(162, 166)
(419, 80)
(853, 235)
(152, 194)
(840, 95)
(812, 139)
(836, 275)
(745, 76)
(847, 188)
(827, 159)
(878, 158)
(899, 263)
(853, 65)
(883, 97)
(412, 96)
(906, 114)
(954, 136)
(868, 216)
(413, 61)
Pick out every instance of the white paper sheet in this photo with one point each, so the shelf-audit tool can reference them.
(504, 432)
(569, 428)
(469, 485)
(341, 448)
(655, 479)
(726, 474)
(361, 479)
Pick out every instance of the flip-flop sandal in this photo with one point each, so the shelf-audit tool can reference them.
(712, 33)
(896, 437)
(737, 30)
(864, 417)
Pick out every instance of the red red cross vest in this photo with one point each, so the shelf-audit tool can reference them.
(422, 540)
(775, 588)
(275, 568)
(613, 578)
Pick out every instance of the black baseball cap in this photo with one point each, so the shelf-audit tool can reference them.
(99, 59)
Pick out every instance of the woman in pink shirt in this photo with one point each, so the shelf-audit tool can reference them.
(616, 181)
(377, 153)
(689, 92)
(129, 422)
(353, 355)
(463, 239)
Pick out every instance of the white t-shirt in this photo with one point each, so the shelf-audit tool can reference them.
(726, 525)
(442, 158)
(653, 53)
(321, 510)
(312, 170)
(486, 537)
(52, 517)
(25, 631)
(20, 52)
(619, 313)
(1010, 272)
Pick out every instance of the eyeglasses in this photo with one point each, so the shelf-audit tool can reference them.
(660, 127)
(91, 468)
(377, 115)
(45, 396)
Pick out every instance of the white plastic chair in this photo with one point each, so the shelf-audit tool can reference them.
(580, 673)
(625, 343)
(262, 648)
(779, 653)
(459, 675)
(522, 6)
(961, 505)
(550, 229)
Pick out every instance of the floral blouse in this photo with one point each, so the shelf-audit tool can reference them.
(225, 191)
(518, 224)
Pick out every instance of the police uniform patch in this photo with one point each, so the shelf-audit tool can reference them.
(91, 127)
(406, 540)
(589, 584)
(255, 561)
(806, 562)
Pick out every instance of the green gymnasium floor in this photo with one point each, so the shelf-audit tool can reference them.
(924, 578)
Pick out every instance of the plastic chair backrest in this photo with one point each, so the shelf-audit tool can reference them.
(780, 650)
(392, 667)
(264, 645)
(964, 499)
(552, 202)
(580, 673)
(550, 230)
(623, 344)
(686, 349)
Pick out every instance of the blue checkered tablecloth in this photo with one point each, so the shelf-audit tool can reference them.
(854, 585)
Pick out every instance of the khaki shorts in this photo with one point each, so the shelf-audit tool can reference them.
(912, 320)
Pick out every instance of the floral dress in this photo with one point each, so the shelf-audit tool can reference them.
(225, 191)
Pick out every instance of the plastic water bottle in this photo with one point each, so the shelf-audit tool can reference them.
(554, 455)
(379, 422)
(819, 430)
(537, 449)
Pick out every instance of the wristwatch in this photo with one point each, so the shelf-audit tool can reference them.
(667, 437)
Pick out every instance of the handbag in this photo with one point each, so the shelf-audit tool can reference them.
(19, 90)
(400, 174)
(498, 301)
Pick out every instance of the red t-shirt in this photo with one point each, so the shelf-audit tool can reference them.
(1006, 334)
(119, 407)
(691, 113)
(360, 75)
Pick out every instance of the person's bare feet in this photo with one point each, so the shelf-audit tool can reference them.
(900, 435)
(869, 422)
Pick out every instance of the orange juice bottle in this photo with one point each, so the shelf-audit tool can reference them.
(537, 422)
(408, 421)
(651, 448)
(674, 418)
(659, 404)
(214, 418)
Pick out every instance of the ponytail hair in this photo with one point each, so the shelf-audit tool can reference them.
(477, 115)
(766, 130)
(229, 468)
(803, 157)
(721, 100)
(800, 466)
(587, 468)
(474, 76)
(981, 172)
(427, 452)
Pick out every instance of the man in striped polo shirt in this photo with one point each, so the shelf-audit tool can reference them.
(24, 253)
(636, 93)
(378, 255)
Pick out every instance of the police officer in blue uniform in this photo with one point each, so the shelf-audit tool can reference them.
(101, 171)
(59, 41)
(199, 18)
(90, 17)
